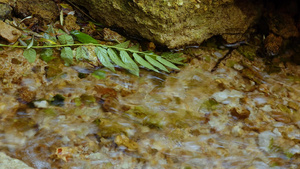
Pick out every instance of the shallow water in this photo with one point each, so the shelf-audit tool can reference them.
(236, 117)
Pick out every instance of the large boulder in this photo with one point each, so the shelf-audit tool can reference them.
(176, 23)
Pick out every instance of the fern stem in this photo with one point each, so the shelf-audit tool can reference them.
(78, 44)
(53, 46)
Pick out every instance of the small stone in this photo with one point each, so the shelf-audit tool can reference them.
(5, 11)
(151, 46)
(295, 149)
(237, 131)
(41, 104)
(9, 33)
(264, 139)
(272, 44)
(26, 95)
(224, 95)
(263, 88)
(122, 140)
(238, 67)
(218, 54)
(267, 108)
(281, 117)
(240, 113)
(293, 105)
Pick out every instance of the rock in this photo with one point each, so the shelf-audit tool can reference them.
(8, 162)
(5, 11)
(239, 113)
(272, 44)
(177, 23)
(41, 104)
(25, 95)
(280, 17)
(225, 94)
(281, 116)
(122, 140)
(283, 25)
(9, 33)
(45, 11)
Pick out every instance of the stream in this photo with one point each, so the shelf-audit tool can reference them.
(238, 116)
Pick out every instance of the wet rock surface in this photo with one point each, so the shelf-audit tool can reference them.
(8, 162)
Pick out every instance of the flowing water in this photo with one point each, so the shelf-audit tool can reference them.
(239, 116)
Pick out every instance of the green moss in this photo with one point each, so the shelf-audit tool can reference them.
(97, 122)
(153, 122)
(21, 121)
(252, 75)
(272, 69)
(146, 117)
(294, 78)
(138, 112)
(77, 101)
(54, 70)
(84, 99)
(289, 154)
(293, 105)
(87, 99)
(271, 144)
(99, 74)
(230, 63)
(182, 119)
(58, 100)
(50, 112)
(110, 128)
(210, 104)
(284, 108)
(207, 58)
(187, 167)
(82, 75)
(274, 164)
(248, 52)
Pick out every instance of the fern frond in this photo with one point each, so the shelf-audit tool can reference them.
(103, 58)
(134, 69)
(120, 54)
(144, 63)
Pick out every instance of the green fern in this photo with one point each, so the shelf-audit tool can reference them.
(109, 56)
